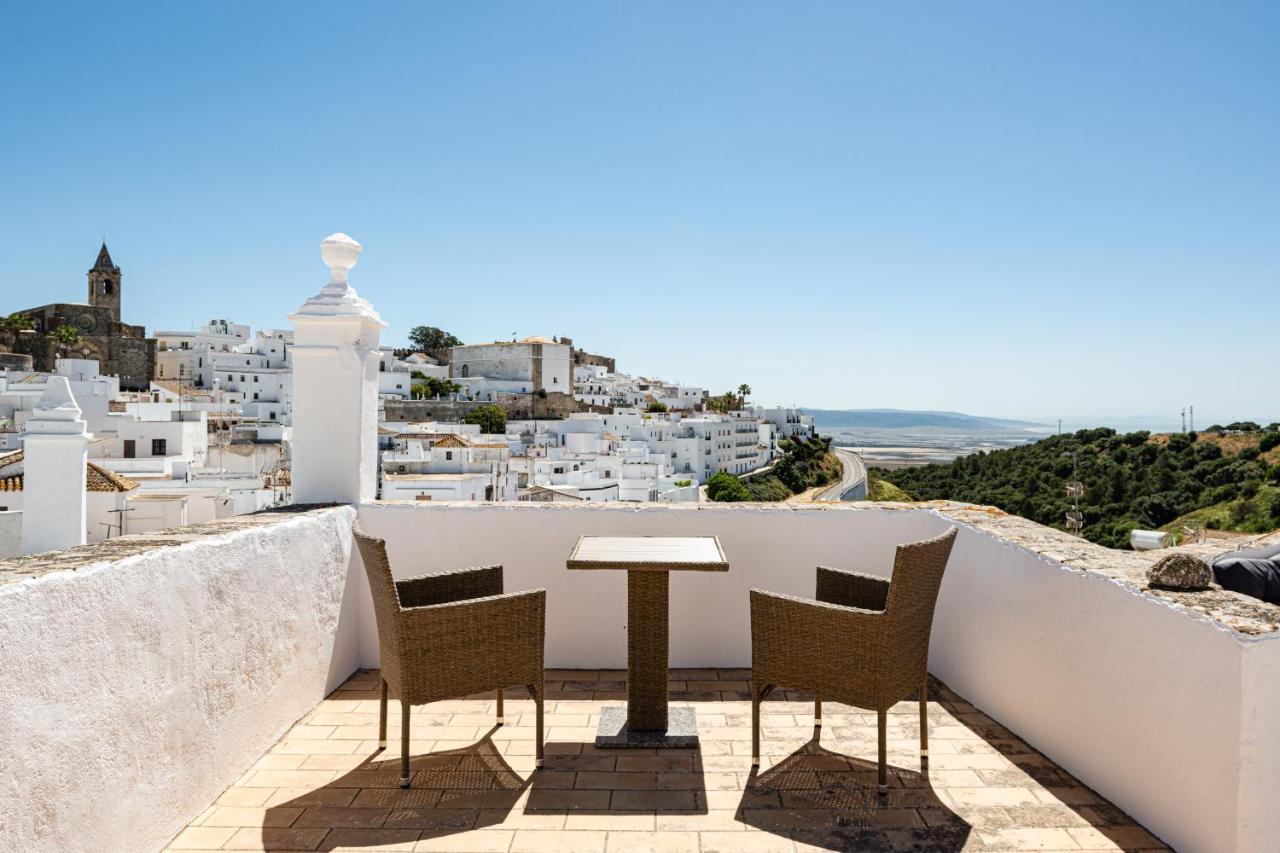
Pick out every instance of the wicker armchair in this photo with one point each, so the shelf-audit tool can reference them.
(863, 642)
(448, 635)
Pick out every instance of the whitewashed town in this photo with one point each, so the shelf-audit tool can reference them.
(180, 427)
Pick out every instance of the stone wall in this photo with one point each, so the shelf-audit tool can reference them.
(589, 360)
(553, 406)
(120, 349)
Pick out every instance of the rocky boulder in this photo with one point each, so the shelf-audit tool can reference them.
(1181, 572)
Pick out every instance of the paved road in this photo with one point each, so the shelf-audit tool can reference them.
(853, 485)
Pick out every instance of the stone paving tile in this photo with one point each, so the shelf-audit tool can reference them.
(326, 786)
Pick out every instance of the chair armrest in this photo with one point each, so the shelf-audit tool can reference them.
(443, 587)
(852, 589)
(788, 620)
(463, 647)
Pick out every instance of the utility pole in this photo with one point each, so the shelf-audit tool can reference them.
(119, 514)
(1193, 418)
(1184, 421)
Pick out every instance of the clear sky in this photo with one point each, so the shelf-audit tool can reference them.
(1021, 209)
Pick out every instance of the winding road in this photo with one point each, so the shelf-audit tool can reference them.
(853, 483)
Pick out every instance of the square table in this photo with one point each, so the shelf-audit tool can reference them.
(648, 560)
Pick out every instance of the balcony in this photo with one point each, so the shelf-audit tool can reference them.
(214, 687)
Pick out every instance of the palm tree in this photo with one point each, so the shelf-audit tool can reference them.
(66, 336)
(16, 322)
(743, 390)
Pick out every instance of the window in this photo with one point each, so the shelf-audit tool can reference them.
(448, 455)
(273, 416)
(241, 377)
(255, 395)
(158, 447)
(255, 377)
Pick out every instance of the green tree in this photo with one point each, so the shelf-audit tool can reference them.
(656, 406)
(431, 386)
(725, 488)
(66, 337)
(16, 322)
(429, 338)
(491, 418)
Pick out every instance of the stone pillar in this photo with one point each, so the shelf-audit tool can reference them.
(335, 387)
(55, 445)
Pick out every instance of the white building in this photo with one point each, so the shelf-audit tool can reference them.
(427, 466)
(534, 364)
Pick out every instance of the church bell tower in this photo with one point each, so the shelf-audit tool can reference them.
(104, 284)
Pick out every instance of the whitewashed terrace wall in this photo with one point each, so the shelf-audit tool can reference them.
(134, 691)
(1164, 712)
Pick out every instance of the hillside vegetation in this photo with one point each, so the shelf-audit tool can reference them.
(1226, 479)
(805, 463)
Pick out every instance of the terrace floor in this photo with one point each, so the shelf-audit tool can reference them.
(325, 786)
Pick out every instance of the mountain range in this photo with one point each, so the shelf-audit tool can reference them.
(908, 419)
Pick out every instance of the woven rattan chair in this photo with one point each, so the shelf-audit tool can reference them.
(449, 635)
(863, 642)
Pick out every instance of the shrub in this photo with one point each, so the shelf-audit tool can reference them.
(723, 487)
(491, 418)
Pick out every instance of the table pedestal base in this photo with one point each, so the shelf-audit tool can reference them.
(681, 732)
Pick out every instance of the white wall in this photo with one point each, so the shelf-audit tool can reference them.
(10, 528)
(145, 686)
(1168, 715)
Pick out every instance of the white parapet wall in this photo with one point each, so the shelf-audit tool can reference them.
(135, 690)
(144, 675)
(1162, 710)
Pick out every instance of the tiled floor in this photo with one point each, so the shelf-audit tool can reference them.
(326, 787)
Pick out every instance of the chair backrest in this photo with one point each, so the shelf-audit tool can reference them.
(386, 601)
(913, 594)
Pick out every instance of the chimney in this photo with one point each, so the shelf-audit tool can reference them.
(335, 387)
(55, 447)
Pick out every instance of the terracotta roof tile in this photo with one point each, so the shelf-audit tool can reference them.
(97, 479)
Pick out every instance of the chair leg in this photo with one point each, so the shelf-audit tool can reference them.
(404, 744)
(924, 718)
(817, 711)
(382, 718)
(538, 730)
(500, 717)
(882, 777)
(755, 728)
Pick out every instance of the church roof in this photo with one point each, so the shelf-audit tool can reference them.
(104, 259)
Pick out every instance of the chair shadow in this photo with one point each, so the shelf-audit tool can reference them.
(452, 791)
(831, 800)
(1072, 794)
(580, 777)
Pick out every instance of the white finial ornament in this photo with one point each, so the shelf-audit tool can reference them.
(338, 298)
(57, 413)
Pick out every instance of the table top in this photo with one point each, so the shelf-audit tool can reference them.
(649, 553)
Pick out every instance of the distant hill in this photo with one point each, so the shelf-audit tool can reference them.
(906, 419)
(1228, 481)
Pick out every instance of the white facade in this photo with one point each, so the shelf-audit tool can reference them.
(421, 455)
(540, 364)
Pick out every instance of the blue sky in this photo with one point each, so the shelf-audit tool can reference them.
(1023, 209)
